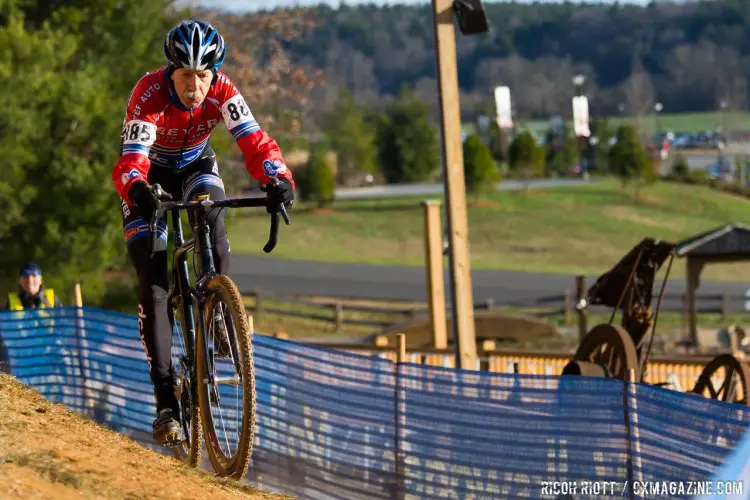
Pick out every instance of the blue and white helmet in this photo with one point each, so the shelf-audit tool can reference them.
(195, 45)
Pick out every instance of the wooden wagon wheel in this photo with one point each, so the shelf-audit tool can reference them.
(735, 377)
(609, 347)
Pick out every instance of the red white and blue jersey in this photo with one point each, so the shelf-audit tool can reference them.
(159, 130)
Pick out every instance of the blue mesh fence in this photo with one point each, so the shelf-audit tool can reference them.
(335, 425)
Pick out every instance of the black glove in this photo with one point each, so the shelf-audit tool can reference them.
(144, 199)
(278, 191)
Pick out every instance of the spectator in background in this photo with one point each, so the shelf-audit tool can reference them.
(31, 293)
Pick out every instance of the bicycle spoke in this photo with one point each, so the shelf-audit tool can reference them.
(223, 413)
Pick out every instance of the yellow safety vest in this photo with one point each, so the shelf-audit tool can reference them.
(14, 301)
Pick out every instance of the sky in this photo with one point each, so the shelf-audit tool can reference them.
(251, 5)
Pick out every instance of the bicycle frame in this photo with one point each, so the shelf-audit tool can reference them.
(181, 272)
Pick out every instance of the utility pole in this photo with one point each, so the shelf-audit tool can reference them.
(469, 12)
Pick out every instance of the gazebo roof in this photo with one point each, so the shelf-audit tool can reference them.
(729, 240)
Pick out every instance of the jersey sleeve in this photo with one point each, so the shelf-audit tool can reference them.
(263, 158)
(137, 136)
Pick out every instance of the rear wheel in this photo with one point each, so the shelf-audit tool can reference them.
(227, 391)
(189, 450)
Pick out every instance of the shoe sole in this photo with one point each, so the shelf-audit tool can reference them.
(169, 439)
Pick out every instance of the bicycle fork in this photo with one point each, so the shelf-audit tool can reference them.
(181, 280)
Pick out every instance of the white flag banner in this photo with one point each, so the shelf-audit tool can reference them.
(503, 108)
(581, 116)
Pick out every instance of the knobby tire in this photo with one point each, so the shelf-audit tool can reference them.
(221, 288)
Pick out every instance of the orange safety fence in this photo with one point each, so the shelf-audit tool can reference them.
(675, 373)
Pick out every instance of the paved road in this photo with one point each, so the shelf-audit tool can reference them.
(409, 283)
(394, 190)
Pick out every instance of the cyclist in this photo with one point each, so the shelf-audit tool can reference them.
(171, 114)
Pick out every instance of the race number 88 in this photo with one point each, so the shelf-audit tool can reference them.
(234, 113)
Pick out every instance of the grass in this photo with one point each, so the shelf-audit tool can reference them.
(573, 230)
(692, 122)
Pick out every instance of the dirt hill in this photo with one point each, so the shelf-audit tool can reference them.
(48, 452)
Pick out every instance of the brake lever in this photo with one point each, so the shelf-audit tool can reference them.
(273, 237)
(285, 214)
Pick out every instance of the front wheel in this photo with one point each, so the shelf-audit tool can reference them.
(226, 372)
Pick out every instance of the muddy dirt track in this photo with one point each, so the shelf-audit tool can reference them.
(48, 452)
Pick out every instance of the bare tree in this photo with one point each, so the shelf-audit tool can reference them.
(639, 95)
(540, 88)
(258, 62)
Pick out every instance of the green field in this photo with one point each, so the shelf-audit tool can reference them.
(581, 229)
(677, 122)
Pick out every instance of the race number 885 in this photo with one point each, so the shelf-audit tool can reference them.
(138, 132)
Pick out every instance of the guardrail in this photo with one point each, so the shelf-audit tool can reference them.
(333, 424)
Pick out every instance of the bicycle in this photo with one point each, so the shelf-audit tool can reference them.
(193, 318)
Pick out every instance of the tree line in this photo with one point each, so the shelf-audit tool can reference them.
(690, 56)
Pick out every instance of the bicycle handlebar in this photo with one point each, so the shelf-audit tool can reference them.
(167, 206)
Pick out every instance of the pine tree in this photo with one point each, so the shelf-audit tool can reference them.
(66, 85)
(480, 172)
(407, 140)
(628, 159)
(525, 155)
(351, 136)
(318, 185)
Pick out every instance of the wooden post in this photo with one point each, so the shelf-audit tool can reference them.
(338, 310)
(401, 343)
(724, 306)
(567, 308)
(80, 346)
(434, 259)
(692, 277)
(400, 418)
(684, 315)
(488, 347)
(582, 312)
(77, 296)
(455, 191)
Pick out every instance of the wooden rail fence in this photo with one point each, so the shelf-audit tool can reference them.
(341, 312)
